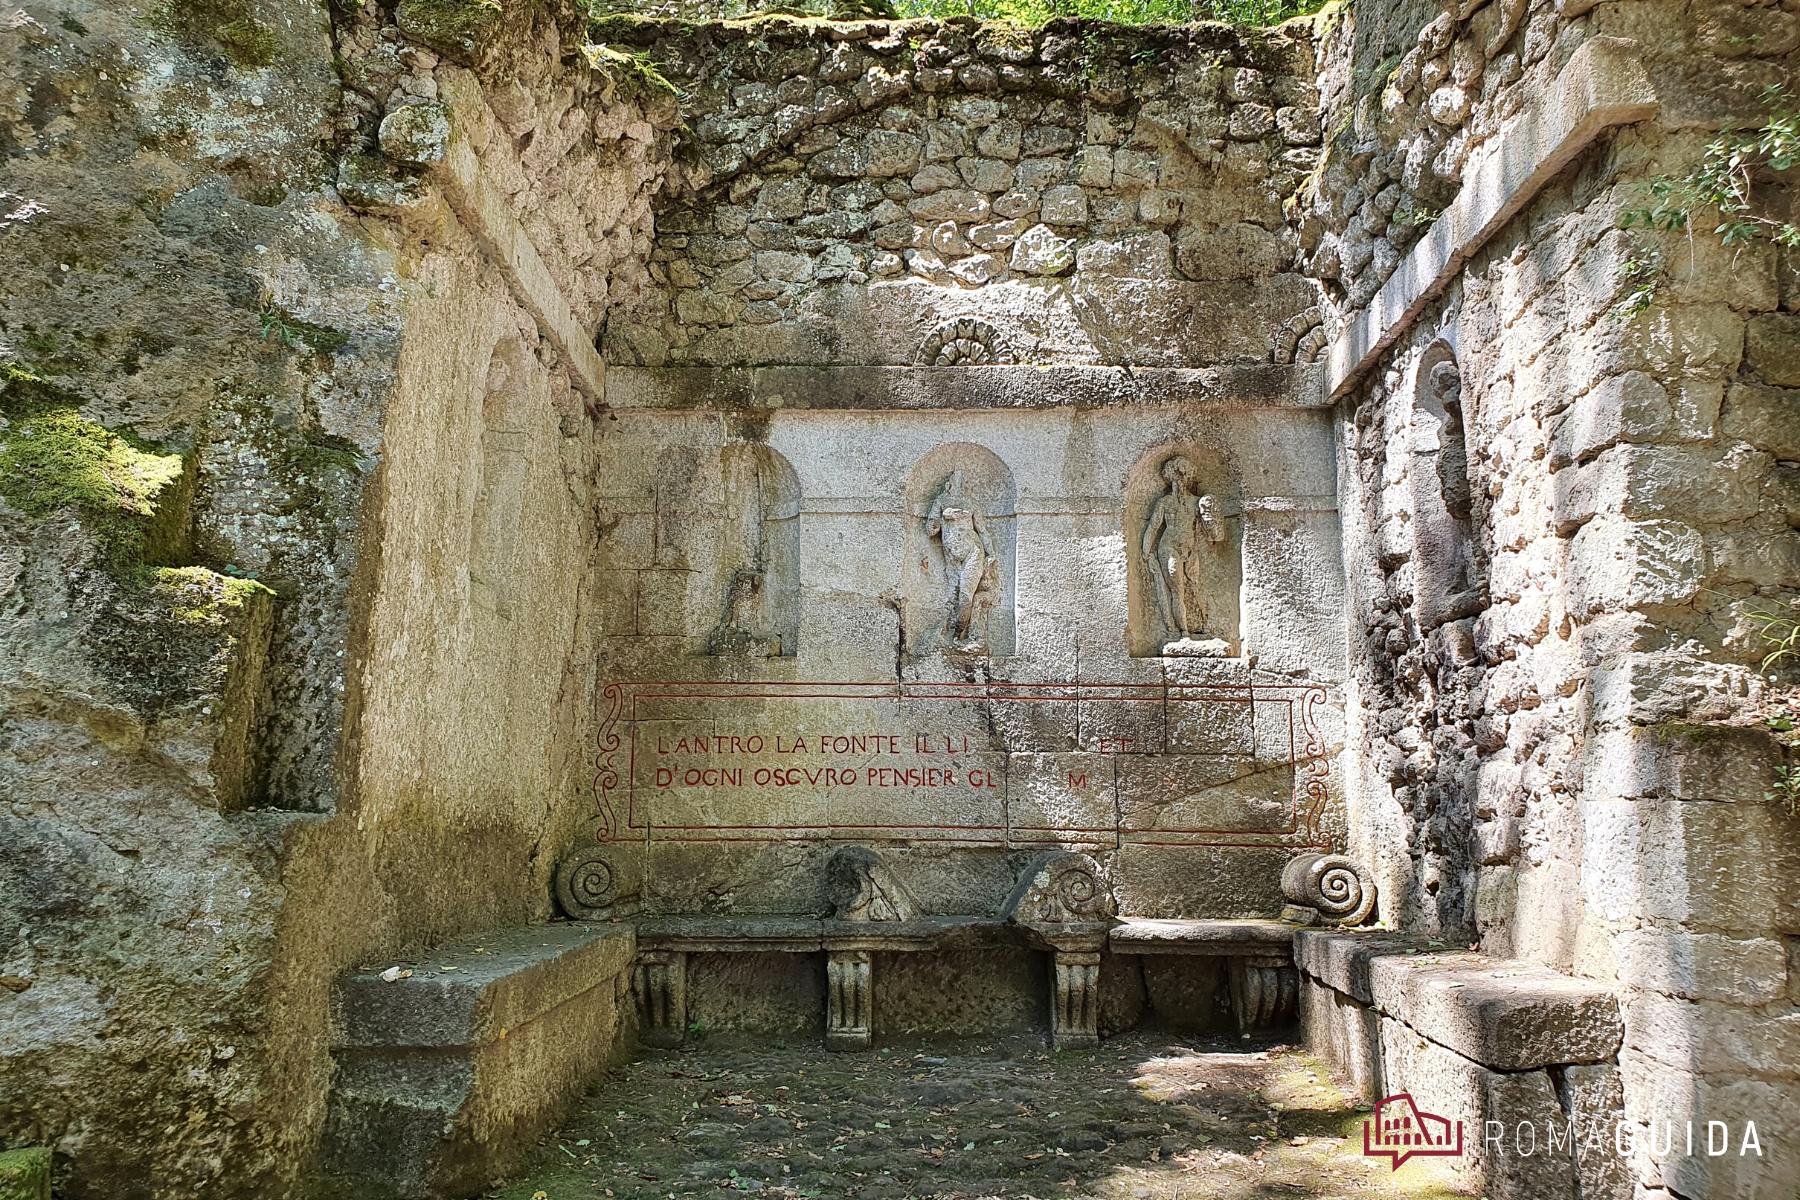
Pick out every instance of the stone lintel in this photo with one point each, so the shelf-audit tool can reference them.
(1603, 85)
(487, 213)
(1504, 1015)
(1202, 937)
(873, 388)
(494, 984)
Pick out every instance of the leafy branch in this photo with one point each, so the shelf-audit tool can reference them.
(1725, 180)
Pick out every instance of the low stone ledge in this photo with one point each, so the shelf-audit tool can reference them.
(1506, 1016)
(1219, 937)
(469, 994)
(444, 1077)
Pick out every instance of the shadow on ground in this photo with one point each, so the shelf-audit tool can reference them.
(1145, 1117)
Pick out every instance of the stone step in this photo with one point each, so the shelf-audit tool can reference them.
(444, 1075)
(1504, 1015)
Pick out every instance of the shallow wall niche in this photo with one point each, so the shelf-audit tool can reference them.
(759, 611)
(494, 533)
(961, 544)
(1184, 538)
(1445, 586)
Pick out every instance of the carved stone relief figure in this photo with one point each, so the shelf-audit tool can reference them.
(760, 614)
(1183, 544)
(1447, 587)
(1178, 520)
(960, 540)
(960, 528)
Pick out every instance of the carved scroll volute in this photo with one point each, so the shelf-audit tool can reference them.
(1062, 888)
(598, 881)
(1339, 889)
(863, 888)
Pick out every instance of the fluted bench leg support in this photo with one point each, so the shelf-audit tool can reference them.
(660, 985)
(1263, 990)
(849, 1000)
(1075, 1001)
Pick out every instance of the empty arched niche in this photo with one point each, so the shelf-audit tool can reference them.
(759, 608)
(499, 505)
(1184, 537)
(1444, 586)
(961, 539)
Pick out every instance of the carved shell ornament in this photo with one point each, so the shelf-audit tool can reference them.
(1302, 340)
(1341, 889)
(965, 342)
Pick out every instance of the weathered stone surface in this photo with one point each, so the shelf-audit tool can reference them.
(1772, 348)
(1040, 252)
(1505, 1016)
(1522, 1105)
(1767, 418)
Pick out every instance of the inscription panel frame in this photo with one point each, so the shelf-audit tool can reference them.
(626, 815)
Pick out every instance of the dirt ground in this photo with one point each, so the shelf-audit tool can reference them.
(1145, 1117)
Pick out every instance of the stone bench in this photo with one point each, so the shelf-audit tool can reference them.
(1258, 954)
(444, 1075)
(659, 980)
(1477, 1040)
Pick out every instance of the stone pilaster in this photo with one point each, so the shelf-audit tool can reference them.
(660, 985)
(849, 1000)
(1075, 1000)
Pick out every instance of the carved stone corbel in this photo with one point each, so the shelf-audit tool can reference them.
(1061, 888)
(1063, 905)
(849, 1000)
(659, 984)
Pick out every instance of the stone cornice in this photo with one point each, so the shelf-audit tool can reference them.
(1251, 385)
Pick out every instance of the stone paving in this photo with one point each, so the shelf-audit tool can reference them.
(1145, 1117)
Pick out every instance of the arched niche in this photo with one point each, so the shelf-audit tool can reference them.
(1444, 586)
(500, 500)
(961, 541)
(759, 609)
(1184, 538)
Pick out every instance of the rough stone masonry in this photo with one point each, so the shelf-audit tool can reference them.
(925, 521)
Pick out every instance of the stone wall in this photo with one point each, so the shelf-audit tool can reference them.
(302, 681)
(1558, 513)
(1099, 193)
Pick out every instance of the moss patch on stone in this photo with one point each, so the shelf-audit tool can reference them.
(290, 330)
(249, 42)
(132, 494)
(197, 596)
(460, 29)
(25, 1174)
(633, 72)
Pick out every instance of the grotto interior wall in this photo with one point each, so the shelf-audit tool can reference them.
(1561, 510)
(297, 535)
